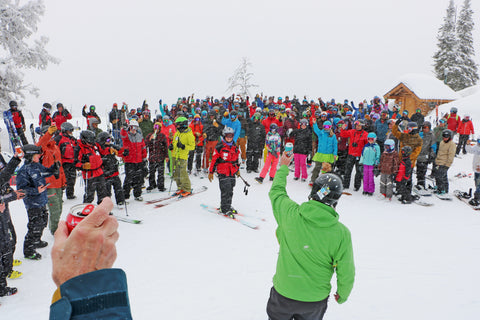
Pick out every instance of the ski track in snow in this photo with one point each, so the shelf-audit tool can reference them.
(412, 262)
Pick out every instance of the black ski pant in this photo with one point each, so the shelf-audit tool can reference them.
(441, 178)
(159, 168)
(402, 189)
(197, 154)
(227, 183)
(133, 179)
(21, 134)
(283, 308)
(7, 246)
(116, 183)
(340, 163)
(71, 176)
(95, 184)
(37, 221)
(349, 164)
(421, 172)
(253, 156)
(462, 142)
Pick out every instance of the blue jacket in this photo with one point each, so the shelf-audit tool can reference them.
(235, 125)
(31, 176)
(370, 154)
(101, 294)
(381, 129)
(326, 144)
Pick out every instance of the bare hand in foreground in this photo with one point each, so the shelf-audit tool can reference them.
(285, 160)
(89, 247)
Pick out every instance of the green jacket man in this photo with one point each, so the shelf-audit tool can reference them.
(313, 245)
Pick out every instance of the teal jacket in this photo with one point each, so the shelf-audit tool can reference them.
(370, 154)
(313, 245)
(327, 141)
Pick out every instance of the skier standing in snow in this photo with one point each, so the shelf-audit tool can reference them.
(404, 176)
(273, 143)
(427, 154)
(197, 129)
(67, 143)
(313, 245)
(52, 156)
(183, 142)
(109, 153)
(225, 162)
(302, 138)
(327, 147)
(115, 117)
(45, 118)
(212, 131)
(134, 155)
(90, 114)
(256, 142)
(89, 161)
(465, 129)
(31, 180)
(8, 237)
(18, 121)
(370, 159)
(358, 139)
(388, 167)
(157, 146)
(443, 161)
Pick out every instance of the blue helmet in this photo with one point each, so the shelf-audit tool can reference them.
(372, 135)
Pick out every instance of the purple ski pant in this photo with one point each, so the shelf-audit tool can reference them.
(368, 183)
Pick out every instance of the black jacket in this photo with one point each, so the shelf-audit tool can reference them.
(303, 140)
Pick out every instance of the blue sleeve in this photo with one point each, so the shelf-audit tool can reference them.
(353, 106)
(224, 121)
(101, 294)
(161, 110)
(237, 129)
(377, 154)
(335, 145)
(316, 129)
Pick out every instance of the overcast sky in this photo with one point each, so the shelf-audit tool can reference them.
(114, 51)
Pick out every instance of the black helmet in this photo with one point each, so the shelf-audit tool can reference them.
(66, 126)
(453, 110)
(30, 150)
(427, 124)
(273, 127)
(412, 127)
(447, 134)
(13, 103)
(327, 189)
(406, 151)
(102, 137)
(87, 137)
(212, 113)
(47, 105)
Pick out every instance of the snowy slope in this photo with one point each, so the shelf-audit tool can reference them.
(186, 263)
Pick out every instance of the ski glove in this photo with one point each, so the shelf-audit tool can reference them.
(126, 152)
(210, 177)
(170, 147)
(180, 145)
(86, 166)
(52, 129)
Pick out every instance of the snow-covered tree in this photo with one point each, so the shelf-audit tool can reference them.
(17, 51)
(466, 52)
(240, 81)
(445, 63)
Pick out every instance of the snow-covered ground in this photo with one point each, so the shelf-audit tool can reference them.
(182, 262)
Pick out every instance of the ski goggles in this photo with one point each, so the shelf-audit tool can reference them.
(327, 127)
(229, 135)
(108, 140)
(156, 127)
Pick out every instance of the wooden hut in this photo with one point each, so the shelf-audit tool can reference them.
(415, 91)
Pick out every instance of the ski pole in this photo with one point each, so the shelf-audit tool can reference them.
(245, 189)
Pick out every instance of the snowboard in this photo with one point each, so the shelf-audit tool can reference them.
(421, 191)
(446, 196)
(462, 196)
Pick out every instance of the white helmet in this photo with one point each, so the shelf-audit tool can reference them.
(133, 123)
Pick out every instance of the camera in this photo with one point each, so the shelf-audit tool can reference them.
(354, 144)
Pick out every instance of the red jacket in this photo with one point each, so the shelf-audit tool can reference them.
(453, 121)
(466, 127)
(358, 139)
(197, 130)
(225, 159)
(268, 121)
(168, 131)
(60, 118)
(67, 146)
(85, 153)
(18, 119)
(134, 143)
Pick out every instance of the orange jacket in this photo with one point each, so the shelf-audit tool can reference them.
(51, 153)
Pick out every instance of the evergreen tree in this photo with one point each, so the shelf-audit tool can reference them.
(466, 52)
(446, 68)
(17, 24)
(240, 81)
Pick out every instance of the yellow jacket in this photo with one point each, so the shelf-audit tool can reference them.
(186, 138)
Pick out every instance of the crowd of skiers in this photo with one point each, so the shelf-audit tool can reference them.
(211, 136)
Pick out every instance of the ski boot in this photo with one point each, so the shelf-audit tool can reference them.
(161, 189)
(271, 178)
(34, 256)
(150, 188)
(14, 275)
(229, 214)
(41, 244)
(177, 193)
(138, 198)
(185, 193)
(259, 180)
(296, 178)
(8, 291)
(16, 262)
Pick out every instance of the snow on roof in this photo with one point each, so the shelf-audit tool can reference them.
(428, 87)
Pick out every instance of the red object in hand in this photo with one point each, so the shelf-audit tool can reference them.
(77, 213)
